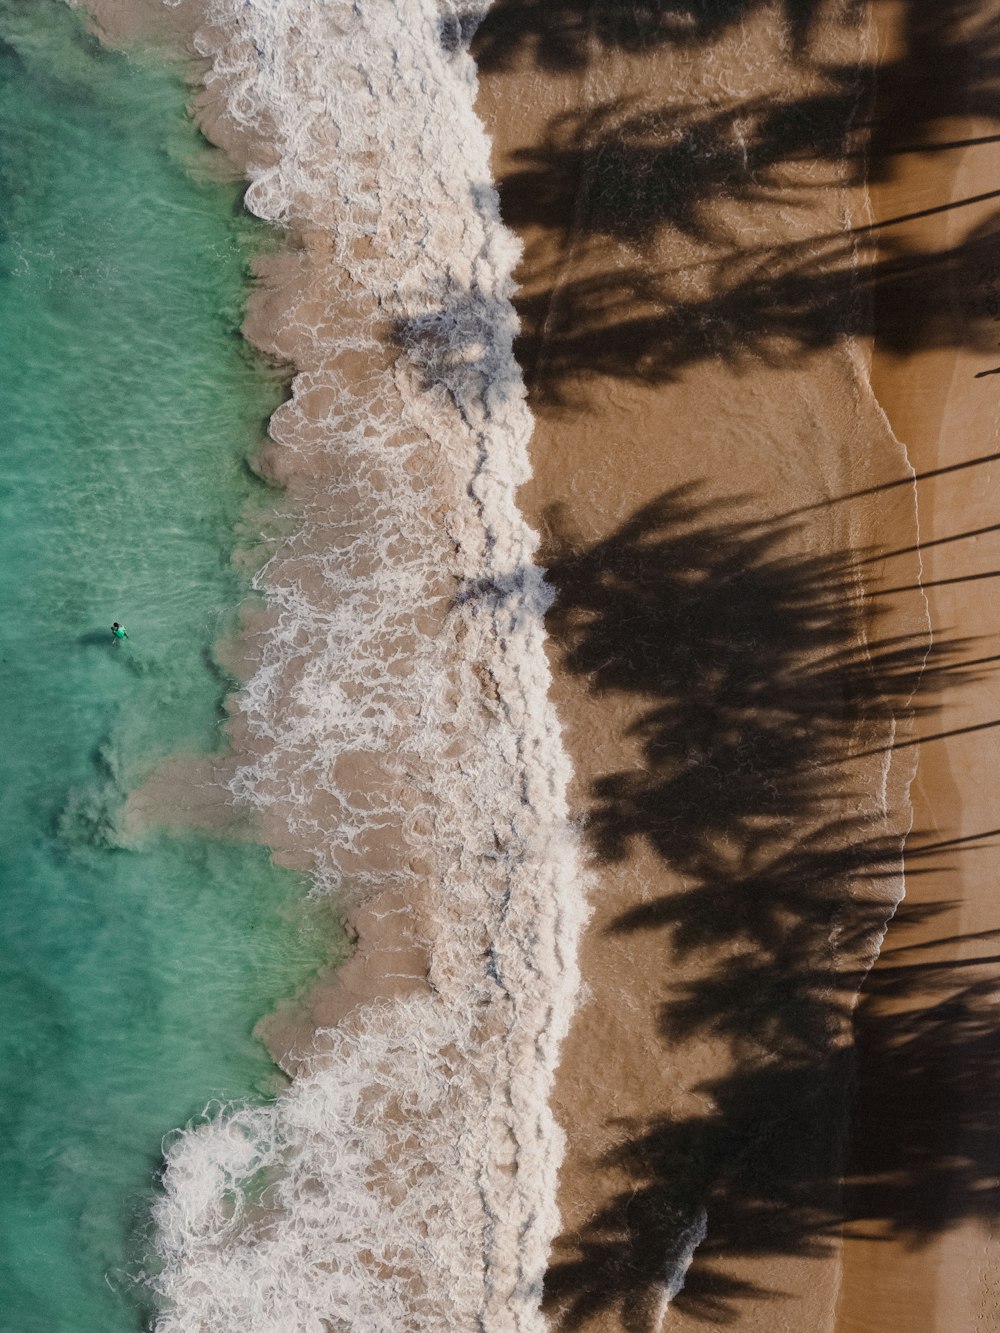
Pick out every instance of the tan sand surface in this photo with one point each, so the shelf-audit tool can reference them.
(689, 290)
(927, 1138)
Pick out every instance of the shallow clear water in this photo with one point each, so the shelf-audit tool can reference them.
(131, 976)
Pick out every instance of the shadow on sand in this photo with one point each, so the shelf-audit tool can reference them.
(756, 670)
(618, 181)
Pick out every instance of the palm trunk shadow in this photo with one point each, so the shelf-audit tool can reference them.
(754, 668)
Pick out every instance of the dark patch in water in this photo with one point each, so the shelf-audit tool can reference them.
(456, 31)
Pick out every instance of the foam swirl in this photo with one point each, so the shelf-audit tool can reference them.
(397, 731)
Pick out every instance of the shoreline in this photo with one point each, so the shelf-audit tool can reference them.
(395, 736)
(285, 283)
(668, 1101)
(926, 1092)
(681, 461)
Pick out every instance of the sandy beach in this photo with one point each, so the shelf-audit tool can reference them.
(754, 401)
(925, 1256)
(697, 360)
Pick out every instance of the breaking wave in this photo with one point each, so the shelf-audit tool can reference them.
(397, 735)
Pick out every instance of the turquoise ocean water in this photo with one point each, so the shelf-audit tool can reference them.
(130, 977)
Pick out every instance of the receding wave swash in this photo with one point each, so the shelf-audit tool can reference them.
(397, 729)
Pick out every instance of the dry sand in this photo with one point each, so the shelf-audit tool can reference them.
(687, 335)
(925, 1255)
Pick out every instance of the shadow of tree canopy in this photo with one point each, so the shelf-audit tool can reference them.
(754, 667)
(774, 307)
(762, 1166)
(756, 671)
(935, 1073)
(563, 34)
(609, 172)
(746, 650)
(621, 178)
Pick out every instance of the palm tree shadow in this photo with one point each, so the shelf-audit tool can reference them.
(753, 667)
(776, 306)
(619, 179)
(745, 654)
(560, 35)
(756, 668)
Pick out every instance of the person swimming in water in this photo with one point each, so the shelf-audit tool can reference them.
(118, 631)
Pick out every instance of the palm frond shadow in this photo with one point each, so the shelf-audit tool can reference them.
(617, 180)
(756, 669)
(775, 307)
(559, 35)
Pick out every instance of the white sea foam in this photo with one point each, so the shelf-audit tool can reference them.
(399, 723)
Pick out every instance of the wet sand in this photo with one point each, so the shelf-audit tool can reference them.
(927, 1149)
(687, 335)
